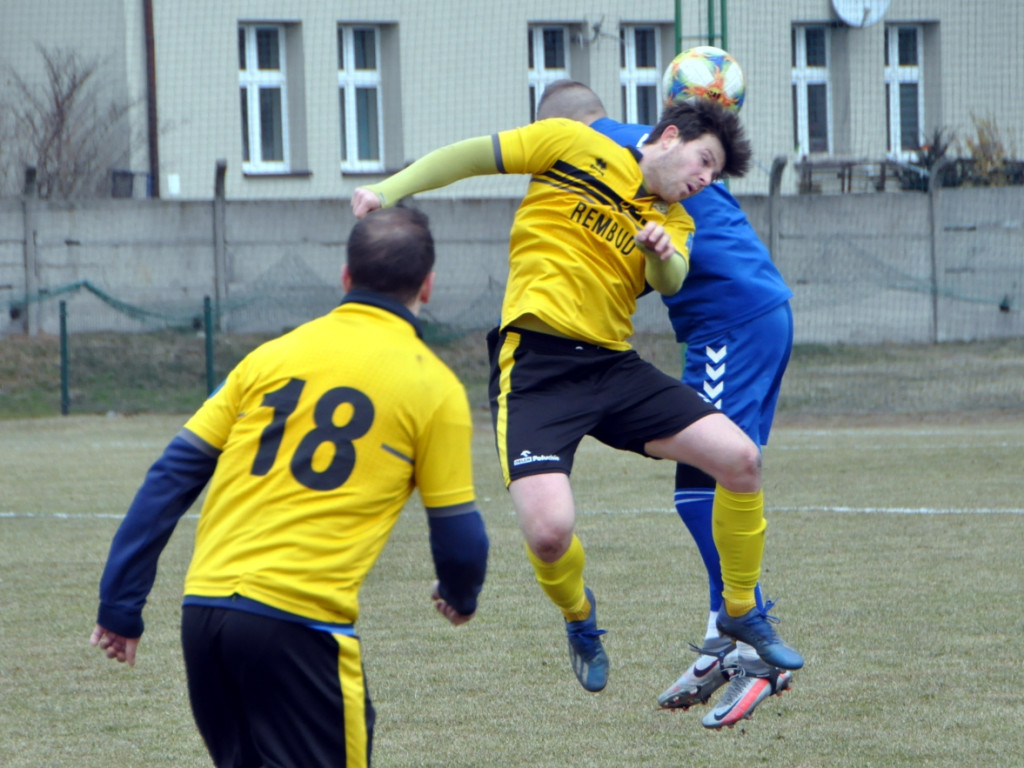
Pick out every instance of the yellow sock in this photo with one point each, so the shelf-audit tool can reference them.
(738, 525)
(562, 580)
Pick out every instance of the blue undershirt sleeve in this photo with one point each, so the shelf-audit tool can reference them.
(459, 546)
(171, 486)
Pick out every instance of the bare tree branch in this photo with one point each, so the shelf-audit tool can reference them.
(66, 127)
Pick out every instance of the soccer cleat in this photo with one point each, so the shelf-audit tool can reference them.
(750, 685)
(705, 676)
(586, 653)
(755, 628)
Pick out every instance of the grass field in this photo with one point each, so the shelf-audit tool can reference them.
(893, 551)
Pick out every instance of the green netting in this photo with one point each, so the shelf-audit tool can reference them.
(163, 318)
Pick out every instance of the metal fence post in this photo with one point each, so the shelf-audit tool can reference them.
(774, 212)
(65, 395)
(28, 219)
(208, 329)
(934, 227)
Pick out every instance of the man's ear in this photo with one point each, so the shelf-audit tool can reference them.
(346, 278)
(669, 135)
(426, 289)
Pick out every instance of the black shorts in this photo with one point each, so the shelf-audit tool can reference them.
(547, 392)
(271, 692)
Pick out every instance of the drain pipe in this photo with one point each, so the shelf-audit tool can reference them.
(151, 113)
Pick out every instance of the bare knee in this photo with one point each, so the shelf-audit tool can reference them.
(549, 546)
(547, 535)
(742, 474)
(717, 447)
(546, 514)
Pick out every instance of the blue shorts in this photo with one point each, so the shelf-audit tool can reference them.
(740, 371)
(548, 392)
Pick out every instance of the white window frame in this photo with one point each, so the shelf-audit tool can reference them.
(351, 80)
(896, 75)
(253, 79)
(540, 73)
(633, 77)
(804, 76)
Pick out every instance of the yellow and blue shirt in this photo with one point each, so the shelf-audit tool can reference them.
(311, 447)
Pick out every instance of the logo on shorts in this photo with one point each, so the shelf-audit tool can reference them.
(526, 457)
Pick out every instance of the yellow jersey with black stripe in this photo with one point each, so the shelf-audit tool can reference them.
(573, 260)
(324, 433)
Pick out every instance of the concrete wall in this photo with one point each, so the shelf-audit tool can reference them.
(862, 267)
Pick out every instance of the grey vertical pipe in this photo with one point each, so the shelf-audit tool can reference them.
(152, 121)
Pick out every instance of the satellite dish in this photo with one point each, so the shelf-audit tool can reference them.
(860, 13)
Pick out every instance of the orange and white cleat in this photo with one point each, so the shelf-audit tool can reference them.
(751, 683)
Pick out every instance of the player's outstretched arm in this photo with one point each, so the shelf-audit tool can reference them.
(444, 166)
(116, 646)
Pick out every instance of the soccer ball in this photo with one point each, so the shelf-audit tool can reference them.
(706, 72)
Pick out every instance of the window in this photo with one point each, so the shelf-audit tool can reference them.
(812, 92)
(262, 83)
(904, 95)
(640, 74)
(548, 60)
(359, 98)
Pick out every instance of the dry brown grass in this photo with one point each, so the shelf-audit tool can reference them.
(165, 373)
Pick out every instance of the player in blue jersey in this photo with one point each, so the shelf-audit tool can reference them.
(733, 315)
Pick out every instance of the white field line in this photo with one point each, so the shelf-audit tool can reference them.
(650, 510)
(838, 510)
(74, 516)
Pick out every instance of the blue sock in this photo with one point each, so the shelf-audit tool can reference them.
(694, 508)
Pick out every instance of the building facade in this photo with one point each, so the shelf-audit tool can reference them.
(310, 99)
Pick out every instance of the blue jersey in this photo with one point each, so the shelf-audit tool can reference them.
(732, 279)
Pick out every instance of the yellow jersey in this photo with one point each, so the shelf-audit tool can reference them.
(323, 434)
(573, 262)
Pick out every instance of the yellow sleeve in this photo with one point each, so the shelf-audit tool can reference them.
(215, 418)
(444, 166)
(536, 147)
(666, 277)
(444, 461)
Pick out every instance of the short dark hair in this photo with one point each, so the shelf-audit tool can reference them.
(696, 117)
(391, 251)
(572, 99)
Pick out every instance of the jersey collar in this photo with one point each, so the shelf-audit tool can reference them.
(383, 302)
